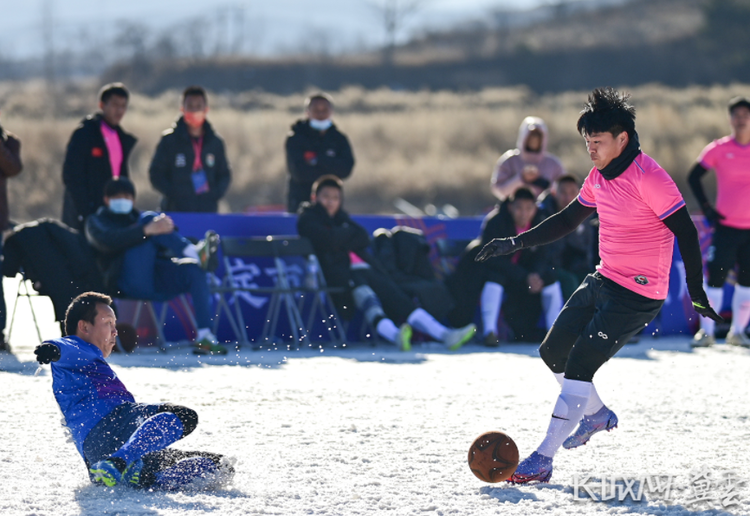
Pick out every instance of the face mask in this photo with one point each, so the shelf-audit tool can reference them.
(194, 118)
(120, 206)
(320, 125)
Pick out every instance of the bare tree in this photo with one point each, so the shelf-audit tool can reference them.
(392, 14)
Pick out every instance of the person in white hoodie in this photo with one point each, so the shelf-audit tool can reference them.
(529, 164)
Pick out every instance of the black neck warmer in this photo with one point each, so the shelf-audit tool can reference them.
(618, 165)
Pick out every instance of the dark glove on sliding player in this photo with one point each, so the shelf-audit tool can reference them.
(700, 304)
(499, 247)
(47, 353)
(712, 216)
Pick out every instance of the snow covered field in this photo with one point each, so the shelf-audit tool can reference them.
(373, 431)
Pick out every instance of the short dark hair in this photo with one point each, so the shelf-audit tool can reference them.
(522, 193)
(318, 96)
(120, 185)
(738, 102)
(325, 181)
(194, 91)
(607, 111)
(567, 178)
(83, 308)
(117, 89)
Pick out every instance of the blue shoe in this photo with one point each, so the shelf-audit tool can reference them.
(132, 474)
(604, 419)
(536, 468)
(105, 472)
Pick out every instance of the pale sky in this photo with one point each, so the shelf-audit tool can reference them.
(270, 27)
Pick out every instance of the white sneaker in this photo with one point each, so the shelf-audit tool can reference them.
(702, 340)
(738, 339)
(454, 339)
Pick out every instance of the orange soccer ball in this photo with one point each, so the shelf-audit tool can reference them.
(493, 457)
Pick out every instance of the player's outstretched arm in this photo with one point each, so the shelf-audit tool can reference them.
(684, 231)
(694, 179)
(46, 353)
(550, 229)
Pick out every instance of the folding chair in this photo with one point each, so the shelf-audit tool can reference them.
(159, 318)
(282, 293)
(24, 290)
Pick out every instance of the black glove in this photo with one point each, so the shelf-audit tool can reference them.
(712, 216)
(47, 353)
(499, 247)
(701, 305)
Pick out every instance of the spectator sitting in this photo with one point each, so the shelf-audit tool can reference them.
(10, 165)
(190, 166)
(98, 151)
(341, 246)
(315, 147)
(529, 165)
(141, 256)
(524, 283)
(573, 253)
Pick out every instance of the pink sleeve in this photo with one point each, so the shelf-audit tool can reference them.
(660, 193)
(586, 195)
(707, 157)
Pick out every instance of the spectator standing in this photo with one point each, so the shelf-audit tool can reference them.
(529, 164)
(729, 158)
(98, 151)
(10, 165)
(314, 148)
(141, 256)
(190, 166)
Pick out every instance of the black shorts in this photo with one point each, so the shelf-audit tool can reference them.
(729, 246)
(598, 319)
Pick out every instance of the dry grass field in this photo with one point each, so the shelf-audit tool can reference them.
(426, 147)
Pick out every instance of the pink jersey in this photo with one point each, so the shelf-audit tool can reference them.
(731, 162)
(634, 244)
(114, 148)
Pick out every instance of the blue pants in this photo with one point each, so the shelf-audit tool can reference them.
(148, 273)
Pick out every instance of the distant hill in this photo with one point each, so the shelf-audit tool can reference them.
(673, 42)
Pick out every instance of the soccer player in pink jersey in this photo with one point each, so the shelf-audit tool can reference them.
(729, 158)
(641, 212)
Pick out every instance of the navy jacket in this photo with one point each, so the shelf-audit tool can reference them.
(172, 168)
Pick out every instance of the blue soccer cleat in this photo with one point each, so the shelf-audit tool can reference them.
(132, 474)
(105, 472)
(604, 419)
(536, 468)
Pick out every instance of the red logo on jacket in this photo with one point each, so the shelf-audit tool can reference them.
(97, 152)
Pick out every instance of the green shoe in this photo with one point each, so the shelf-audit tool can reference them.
(454, 339)
(105, 472)
(208, 347)
(404, 337)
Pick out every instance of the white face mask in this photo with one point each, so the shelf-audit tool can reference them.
(120, 206)
(320, 125)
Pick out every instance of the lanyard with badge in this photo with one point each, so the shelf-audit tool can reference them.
(200, 181)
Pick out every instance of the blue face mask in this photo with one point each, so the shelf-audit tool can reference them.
(120, 206)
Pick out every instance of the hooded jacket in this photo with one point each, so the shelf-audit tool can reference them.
(87, 169)
(171, 169)
(311, 154)
(508, 174)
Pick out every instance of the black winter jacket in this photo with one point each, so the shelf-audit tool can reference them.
(172, 167)
(87, 169)
(111, 234)
(311, 154)
(10, 165)
(333, 239)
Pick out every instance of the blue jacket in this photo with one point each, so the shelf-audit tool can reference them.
(85, 386)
